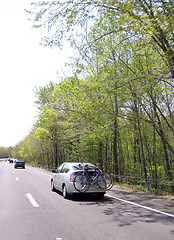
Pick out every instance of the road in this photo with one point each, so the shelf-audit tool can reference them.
(29, 210)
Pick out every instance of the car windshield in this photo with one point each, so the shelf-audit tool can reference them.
(81, 166)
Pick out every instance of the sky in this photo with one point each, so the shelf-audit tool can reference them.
(24, 65)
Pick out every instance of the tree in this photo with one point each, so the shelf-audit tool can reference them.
(149, 20)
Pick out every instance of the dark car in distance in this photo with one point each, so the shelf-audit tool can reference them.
(19, 163)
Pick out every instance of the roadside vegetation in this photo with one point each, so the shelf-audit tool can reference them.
(5, 152)
(117, 107)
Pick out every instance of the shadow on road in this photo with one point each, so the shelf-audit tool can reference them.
(125, 214)
(88, 199)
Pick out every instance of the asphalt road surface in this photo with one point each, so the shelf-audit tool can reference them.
(29, 210)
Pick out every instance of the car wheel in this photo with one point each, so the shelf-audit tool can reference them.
(52, 186)
(64, 192)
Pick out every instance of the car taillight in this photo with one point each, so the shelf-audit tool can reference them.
(72, 176)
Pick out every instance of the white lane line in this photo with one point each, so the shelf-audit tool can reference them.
(138, 205)
(17, 179)
(59, 238)
(33, 202)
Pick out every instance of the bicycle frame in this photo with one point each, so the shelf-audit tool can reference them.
(94, 180)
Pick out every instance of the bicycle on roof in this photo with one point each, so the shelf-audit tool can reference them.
(90, 176)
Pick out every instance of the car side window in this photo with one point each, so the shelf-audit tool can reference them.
(65, 168)
(59, 169)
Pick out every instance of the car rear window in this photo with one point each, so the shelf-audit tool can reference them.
(81, 166)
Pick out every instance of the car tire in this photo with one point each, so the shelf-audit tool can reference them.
(52, 186)
(64, 191)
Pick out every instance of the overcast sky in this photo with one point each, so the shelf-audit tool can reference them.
(24, 64)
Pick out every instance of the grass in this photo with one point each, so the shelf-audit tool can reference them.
(141, 189)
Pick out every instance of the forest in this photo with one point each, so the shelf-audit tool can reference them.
(117, 108)
(5, 152)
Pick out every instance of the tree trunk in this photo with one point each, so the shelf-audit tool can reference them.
(56, 154)
(43, 155)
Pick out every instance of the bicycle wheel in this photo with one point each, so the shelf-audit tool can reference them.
(105, 181)
(81, 183)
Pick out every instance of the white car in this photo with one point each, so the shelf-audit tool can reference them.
(64, 177)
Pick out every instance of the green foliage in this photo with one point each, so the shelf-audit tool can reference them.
(150, 21)
(5, 152)
(41, 134)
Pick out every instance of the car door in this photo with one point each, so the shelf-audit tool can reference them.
(63, 176)
(57, 177)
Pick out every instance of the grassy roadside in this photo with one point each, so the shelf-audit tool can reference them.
(142, 190)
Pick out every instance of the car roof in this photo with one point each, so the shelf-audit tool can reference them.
(71, 163)
(77, 163)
